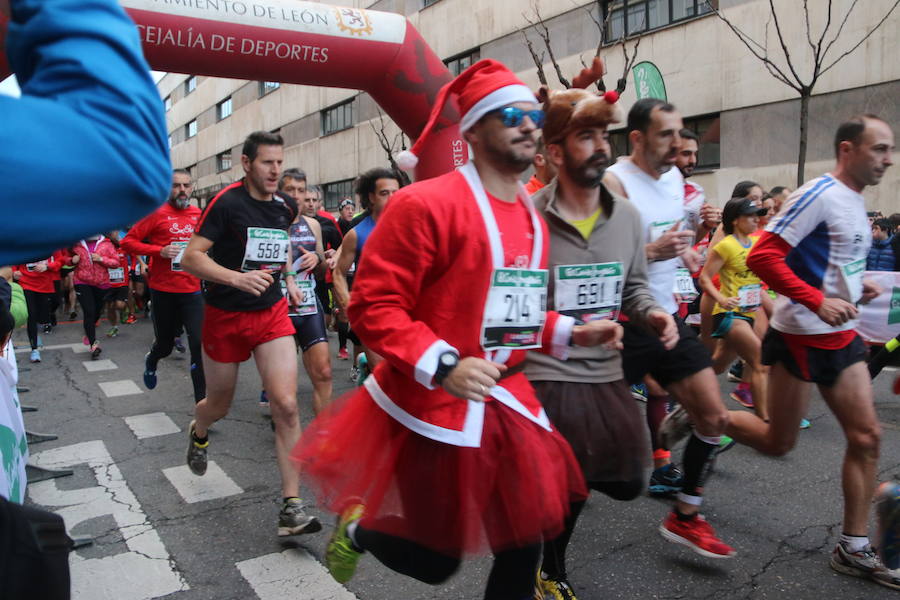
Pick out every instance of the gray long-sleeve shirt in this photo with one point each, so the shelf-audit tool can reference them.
(617, 237)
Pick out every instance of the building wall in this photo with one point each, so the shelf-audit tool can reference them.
(705, 68)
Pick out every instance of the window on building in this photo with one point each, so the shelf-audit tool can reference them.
(426, 3)
(190, 130)
(706, 128)
(193, 171)
(190, 84)
(630, 17)
(167, 103)
(266, 87)
(223, 109)
(223, 161)
(170, 141)
(461, 62)
(338, 117)
(335, 192)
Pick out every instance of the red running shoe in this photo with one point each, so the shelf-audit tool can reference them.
(696, 534)
(131, 319)
(342, 354)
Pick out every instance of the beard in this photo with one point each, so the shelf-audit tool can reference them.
(180, 202)
(509, 156)
(589, 173)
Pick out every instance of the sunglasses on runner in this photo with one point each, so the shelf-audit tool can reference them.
(513, 117)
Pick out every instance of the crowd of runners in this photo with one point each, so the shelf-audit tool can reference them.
(515, 347)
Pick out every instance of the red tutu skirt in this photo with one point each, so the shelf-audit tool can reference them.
(513, 491)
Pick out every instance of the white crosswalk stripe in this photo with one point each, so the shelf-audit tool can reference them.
(211, 486)
(151, 425)
(93, 366)
(284, 575)
(125, 387)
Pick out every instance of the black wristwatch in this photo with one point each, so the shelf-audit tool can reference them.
(447, 361)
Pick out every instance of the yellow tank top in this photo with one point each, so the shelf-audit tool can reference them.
(734, 276)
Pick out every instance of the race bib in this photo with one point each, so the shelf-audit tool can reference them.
(749, 297)
(515, 310)
(266, 249)
(589, 292)
(658, 228)
(176, 262)
(307, 304)
(116, 275)
(852, 273)
(684, 289)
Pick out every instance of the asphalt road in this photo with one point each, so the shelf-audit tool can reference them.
(160, 534)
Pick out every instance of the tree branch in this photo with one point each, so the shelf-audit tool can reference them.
(763, 56)
(819, 54)
(538, 60)
(840, 29)
(544, 33)
(859, 43)
(787, 55)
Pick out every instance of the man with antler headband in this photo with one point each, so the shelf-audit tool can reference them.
(597, 269)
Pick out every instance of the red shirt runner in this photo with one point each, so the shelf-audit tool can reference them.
(154, 232)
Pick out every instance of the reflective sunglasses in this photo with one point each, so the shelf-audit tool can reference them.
(512, 116)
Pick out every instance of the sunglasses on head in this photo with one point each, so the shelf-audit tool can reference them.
(513, 117)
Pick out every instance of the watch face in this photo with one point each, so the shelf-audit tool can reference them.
(449, 360)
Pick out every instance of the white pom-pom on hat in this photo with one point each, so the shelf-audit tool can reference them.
(406, 160)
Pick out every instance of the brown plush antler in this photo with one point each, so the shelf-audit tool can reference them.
(589, 75)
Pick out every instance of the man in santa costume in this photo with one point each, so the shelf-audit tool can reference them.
(445, 450)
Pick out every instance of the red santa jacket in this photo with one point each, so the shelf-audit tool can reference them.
(423, 290)
(159, 229)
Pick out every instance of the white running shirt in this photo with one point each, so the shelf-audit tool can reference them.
(661, 204)
(825, 222)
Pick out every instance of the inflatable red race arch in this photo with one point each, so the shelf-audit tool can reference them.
(312, 44)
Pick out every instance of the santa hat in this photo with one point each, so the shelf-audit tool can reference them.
(485, 86)
(574, 108)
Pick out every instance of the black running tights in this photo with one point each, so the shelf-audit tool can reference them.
(170, 312)
(511, 578)
(91, 300)
(38, 313)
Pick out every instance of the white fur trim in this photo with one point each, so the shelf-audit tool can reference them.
(469, 437)
(562, 333)
(505, 397)
(406, 160)
(496, 99)
(428, 362)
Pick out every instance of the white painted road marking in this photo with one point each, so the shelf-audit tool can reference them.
(147, 570)
(125, 387)
(99, 365)
(151, 425)
(192, 488)
(76, 348)
(289, 573)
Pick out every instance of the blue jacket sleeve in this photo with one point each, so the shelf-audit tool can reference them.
(84, 149)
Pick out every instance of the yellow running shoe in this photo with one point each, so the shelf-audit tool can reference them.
(341, 556)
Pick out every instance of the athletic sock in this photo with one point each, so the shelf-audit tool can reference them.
(200, 441)
(683, 517)
(854, 543)
(351, 534)
(699, 457)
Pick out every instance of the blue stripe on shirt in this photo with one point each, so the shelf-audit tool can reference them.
(800, 205)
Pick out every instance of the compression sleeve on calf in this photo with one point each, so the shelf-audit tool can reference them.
(767, 260)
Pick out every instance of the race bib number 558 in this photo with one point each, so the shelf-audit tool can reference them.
(266, 249)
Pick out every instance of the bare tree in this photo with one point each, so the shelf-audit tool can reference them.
(785, 68)
(538, 25)
(390, 146)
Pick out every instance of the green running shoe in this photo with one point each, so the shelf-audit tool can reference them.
(341, 555)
